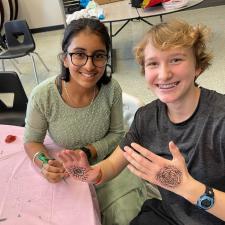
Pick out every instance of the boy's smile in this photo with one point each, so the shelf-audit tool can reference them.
(170, 74)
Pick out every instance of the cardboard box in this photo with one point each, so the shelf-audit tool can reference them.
(101, 2)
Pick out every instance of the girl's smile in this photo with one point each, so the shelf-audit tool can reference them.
(87, 75)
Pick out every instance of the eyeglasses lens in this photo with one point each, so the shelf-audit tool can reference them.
(98, 60)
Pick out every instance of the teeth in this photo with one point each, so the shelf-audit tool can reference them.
(168, 86)
(87, 75)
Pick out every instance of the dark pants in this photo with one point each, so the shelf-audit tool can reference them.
(153, 213)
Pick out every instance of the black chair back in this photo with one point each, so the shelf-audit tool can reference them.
(15, 28)
(18, 48)
(13, 115)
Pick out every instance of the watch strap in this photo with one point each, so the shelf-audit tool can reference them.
(209, 192)
(87, 151)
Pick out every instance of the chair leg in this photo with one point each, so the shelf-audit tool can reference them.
(2, 48)
(5, 51)
(16, 61)
(41, 61)
(35, 72)
(15, 66)
(3, 67)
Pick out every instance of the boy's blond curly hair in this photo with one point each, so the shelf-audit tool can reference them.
(177, 33)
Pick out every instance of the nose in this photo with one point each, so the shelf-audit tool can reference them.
(165, 72)
(89, 64)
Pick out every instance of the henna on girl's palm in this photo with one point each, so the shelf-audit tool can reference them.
(78, 172)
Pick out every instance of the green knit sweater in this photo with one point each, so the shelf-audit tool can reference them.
(99, 124)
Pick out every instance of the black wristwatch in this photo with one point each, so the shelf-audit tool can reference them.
(87, 151)
(206, 201)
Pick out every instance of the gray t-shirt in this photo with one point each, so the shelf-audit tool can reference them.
(201, 140)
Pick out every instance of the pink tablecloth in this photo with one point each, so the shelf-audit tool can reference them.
(26, 197)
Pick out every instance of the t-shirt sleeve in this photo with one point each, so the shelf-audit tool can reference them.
(132, 135)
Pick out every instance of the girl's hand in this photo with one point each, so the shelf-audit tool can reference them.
(53, 171)
(171, 175)
(77, 166)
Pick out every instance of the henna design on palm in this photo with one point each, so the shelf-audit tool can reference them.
(169, 177)
(78, 172)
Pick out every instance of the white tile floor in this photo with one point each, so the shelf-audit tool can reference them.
(128, 71)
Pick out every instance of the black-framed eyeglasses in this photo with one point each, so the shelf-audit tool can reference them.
(80, 59)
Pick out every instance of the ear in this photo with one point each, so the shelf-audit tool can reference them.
(197, 72)
(65, 60)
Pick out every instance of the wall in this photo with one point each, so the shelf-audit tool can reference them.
(40, 13)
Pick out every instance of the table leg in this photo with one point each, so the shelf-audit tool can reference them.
(113, 55)
(161, 19)
(121, 28)
(146, 21)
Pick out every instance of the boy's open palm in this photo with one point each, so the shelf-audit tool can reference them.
(169, 174)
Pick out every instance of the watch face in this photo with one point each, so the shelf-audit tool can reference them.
(206, 203)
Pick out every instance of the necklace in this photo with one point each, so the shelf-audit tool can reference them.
(72, 100)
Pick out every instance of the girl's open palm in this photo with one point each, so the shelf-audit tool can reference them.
(77, 166)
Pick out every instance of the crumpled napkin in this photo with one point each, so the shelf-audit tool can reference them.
(174, 4)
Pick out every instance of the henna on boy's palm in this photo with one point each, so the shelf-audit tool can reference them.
(78, 172)
(169, 177)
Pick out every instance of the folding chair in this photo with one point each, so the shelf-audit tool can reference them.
(16, 48)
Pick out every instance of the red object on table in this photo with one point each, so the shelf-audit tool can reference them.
(10, 139)
(153, 2)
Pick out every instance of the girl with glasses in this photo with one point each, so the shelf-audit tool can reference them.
(82, 110)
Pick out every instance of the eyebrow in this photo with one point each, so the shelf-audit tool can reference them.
(178, 54)
(97, 50)
(172, 55)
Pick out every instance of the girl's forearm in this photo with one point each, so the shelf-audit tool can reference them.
(112, 166)
(32, 148)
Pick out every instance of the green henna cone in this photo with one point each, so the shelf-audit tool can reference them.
(44, 159)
